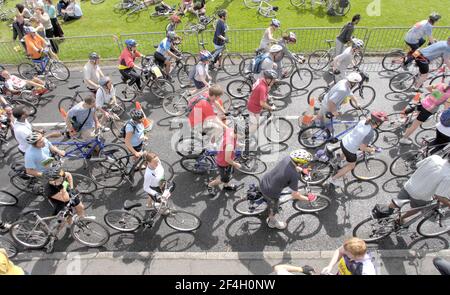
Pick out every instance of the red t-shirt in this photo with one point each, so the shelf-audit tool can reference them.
(126, 59)
(228, 139)
(202, 110)
(260, 92)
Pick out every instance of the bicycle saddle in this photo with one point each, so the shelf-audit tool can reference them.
(329, 41)
(331, 148)
(73, 87)
(400, 203)
(28, 211)
(128, 205)
(155, 46)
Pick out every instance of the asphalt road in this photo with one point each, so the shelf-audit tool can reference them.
(223, 229)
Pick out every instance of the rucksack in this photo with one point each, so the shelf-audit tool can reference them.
(192, 105)
(257, 62)
(123, 131)
(445, 118)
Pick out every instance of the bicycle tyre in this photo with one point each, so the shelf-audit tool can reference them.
(268, 12)
(21, 183)
(251, 165)
(189, 146)
(194, 166)
(109, 175)
(17, 229)
(278, 91)
(251, 3)
(278, 130)
(317, 93)
(405, 164)
(370, 163)
(317, 135)
(27, 71)
(401, 82)
(320, 204)
(182, 221)
(28, 105)
(161, 87)
(125, 92)
(84, 184)
(86, 225)
(7, 199)
(183, 75)
(130, 225)
(365, 96)
(116, 128)
(319, 172)
(244, 66)
(298, 3)
(59, 71)
(319, 59)
(66, 103)
(175, 105)
(30, 97)
(239, 89)
(250, 208)
(344, 11)
(440, 218)
(440, 79)
(97, 1)
(381, 234)
(390, 60)
(231, 63)
(10, 248)
(436, 63)
(395, 121)
(301, 79)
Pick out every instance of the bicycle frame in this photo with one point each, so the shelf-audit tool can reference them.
(330, 126)
(43, 63)
(79, 146)
(425, 211)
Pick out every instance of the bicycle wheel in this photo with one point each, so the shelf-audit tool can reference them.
(372, 169)
(183, 75)
(28, 95)
(317, 93)
(59, 71)
(278, 130)
(313, 137)
(436, 64)
(405, 164)
(122, 220)
(280, 90)
(245, 66)
(189, 58)
(29, 106)
(395, 121)
(90, 232)
(318, 172)
(267, 12)
(342, 11)
(252, 3)
(251, 165)
(190, 28)
(250, 207)
(393, 60)
(401, 82)
(430, 123)
(125, 92)
(436, 224)
(319, 59)
(83, 183)
(23, 183)
(365, 96)
(29, 234)
(7, 199)
(116, 128)
(231, 63)
(371, 230)
(357, 60)
(287, 67)
(66, 103)
(119, 108)
(9, 247)
(321, 203)
(198, 165)
(161, 87)
(189, 146)
(239, 89)
(301, 79)
(440, 79)
(298, 3)
(113, 151)
(175, 104)
(107, 174)
(183, 221)
(97, 1)
(27, 71)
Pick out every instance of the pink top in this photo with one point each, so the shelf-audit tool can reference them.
(437, 97)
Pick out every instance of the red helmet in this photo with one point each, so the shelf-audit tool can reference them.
(378, 117)
(175, 18)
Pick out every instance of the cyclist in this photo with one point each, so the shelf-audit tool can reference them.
(105, 98)
(22, 128)
(358, 139)
(268, 38)
(286, 39)
(442, 265)
(285, 174)
(415, 36)
(40, 149)
(186, 5)
(339, 94)
(35, 46)
(82, 119)
(153, 180)
(345, 36)
(199, 7)
(257, 100)
(92, 72)
(270, 60)
(225, 162)
(220, 38)
(442, 132)
(351, 259)
(341, 62)
(134, 133)
(127, 65)
(439, 94)
(16, 85)
(175, 20)
(201, 76)
(164, 53)
(424, 56)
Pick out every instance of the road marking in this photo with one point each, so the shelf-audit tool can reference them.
(54, 124)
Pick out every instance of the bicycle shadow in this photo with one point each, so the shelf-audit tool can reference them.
(395, 184)
(330, 217)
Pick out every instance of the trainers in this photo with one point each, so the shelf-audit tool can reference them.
(211, 191)
(105, 129)
(336, 182)
(404, 140)
(275, 223)
(231, 187)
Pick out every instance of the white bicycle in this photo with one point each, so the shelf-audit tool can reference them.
(263, 6)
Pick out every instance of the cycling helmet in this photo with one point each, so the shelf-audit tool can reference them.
(103, 81)
(175, 18)
(53, 173)
(275, 48)
(136, 114)
(171, 35)
(130, 42)
(292, 37)
(445, 118)
(435, 16)
(301, 156)
(222, 13)
(205, 55)
(354, 77)
(358, 43)
(270, 74)
(29, 29)
(33, 137)
(378, 117)
(276, 23)
(94, 56)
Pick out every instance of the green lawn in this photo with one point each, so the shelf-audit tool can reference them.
(100, 20)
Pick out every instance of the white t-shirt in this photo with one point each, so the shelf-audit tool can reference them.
(152, 178)
(201, 70)
(418, 31)
(265, 41)
(344, 59)
(432, 177)
(361, 134)
(15, 83)
(337, 94)
(21, 131)
(91, 72)
(102, 97)
(444, 130)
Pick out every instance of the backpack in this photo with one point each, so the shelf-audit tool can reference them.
(381, 211)
(192, 105)
(123, 131)
(257, 62)
(445, 118)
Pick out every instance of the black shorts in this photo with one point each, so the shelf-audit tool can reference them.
(423, 114)
(416, 46)
(404, 195)
(225, 173)
(138, 148)
(159, 59)
(424, 66)
(350, 157)
(272, 203)
(60, 205)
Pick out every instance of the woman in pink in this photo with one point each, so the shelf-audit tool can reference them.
(439, 94)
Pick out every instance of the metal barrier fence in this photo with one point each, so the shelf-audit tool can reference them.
(245, 41)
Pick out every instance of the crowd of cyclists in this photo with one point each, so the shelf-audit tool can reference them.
(206, 114)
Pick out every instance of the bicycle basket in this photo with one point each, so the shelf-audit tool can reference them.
(253, 193)
(381, 211)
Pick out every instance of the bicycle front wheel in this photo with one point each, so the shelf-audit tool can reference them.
(440, 79)
(401, 82)
(30, 107)
(161, 88)
(9, 247)
(125, 92)
(116, 128)
(197, 165)
(372, 169)
(27, 71)
(405, 164)
(66, 103)
(280, 90)
(251, 165)
(372, 230)
(301, 79)
(319, 59)
(395, 121)
(393, 60)
(83, 183)
(7, 199)
(298, 3)
(317, 95)
(97, 1)
(365, 96)
(267, 12)
(122, 220)
(278, 130)
(183, 75)
(182, 221)
(189, 146)
(59, 71)
(107, 173)
(23, 183)
(252, 3)
(239, 89)
(313, 137)
(436, 224)
(321, 202)
(250, 207)
(318, 173)
(90, 232)
(231, 63)
(30, 234)
(175, 104)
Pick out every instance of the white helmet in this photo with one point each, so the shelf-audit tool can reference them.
(275, 48)
(354, 77)
(358, 43)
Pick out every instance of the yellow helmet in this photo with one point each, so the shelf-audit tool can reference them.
(301, 156)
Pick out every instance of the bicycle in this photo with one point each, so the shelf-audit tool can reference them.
(202, 24)
(7, 199)
(326, 163)
(123, 7)
(45, 66)
(129, 219)
(320, 59)
(394, 60)
(338, 8)
(263, 6)
(27, 93)
(95, 2)
(404, 81)
(38, 232)
(230, 61)
(434, 221)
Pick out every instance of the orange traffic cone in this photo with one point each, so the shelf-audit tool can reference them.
(147, 123)
(416, 97)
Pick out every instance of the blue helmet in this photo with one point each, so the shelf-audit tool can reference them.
(130, 42)
(445, 118)
(205, 55)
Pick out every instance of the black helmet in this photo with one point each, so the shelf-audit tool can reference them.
(222, 13)
(270, 74)
(136, 114)
(435, 16)
(53, 173)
